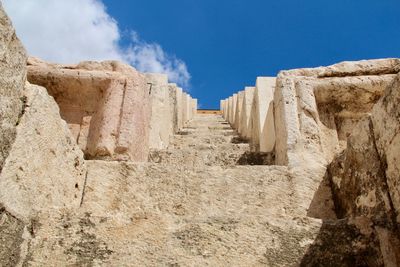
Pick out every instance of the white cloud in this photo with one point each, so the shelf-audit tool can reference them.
(69, 31)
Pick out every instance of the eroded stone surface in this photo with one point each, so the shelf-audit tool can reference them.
(106, 102)
(12, 82)
(316, 108)
(47, 174)
(386, 125)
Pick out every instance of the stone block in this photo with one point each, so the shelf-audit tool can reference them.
(172, 88)
(113, 94)
(262, 137)
(232, 111)
(194, 107)
(238, 111)
(245, 115)
(45, 169)
(185, 110)
(161, 120)
(229, 109)
(316, 109)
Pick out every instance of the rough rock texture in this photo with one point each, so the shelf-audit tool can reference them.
(192, 214)
(386, 125)
(49, 173)
(106, 105)
(262, 126)
(244, 125)
(12, 81)
(161, 119)
(360, 190)
(315, 109)
(205, 200)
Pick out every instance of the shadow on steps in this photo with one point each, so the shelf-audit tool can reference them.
(256, 158)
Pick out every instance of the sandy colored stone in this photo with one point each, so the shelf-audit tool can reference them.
(172, 90)
(360, 189)
(115, 95)
(262, 115)
(194, 107)
(185, 110)
(238, 111)
(222, 106)
(179, 105)
(244, 120)
(232, 111)
(47, 174)
(386, 125)
(12, 81)
(229, 109)
(315, 113)
(161, 120)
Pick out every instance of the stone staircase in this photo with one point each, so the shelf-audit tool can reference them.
(191, 205)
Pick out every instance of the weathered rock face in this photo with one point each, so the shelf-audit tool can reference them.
(362, 177)
(358, 179)
(47, 174)
(386, 125)
(12, 81)
(106, 105)
(315, 109)
(161, 120)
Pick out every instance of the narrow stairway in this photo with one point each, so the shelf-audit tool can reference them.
(191, 205)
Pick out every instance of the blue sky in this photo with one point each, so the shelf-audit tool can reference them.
(222, 45)
(227, 44)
